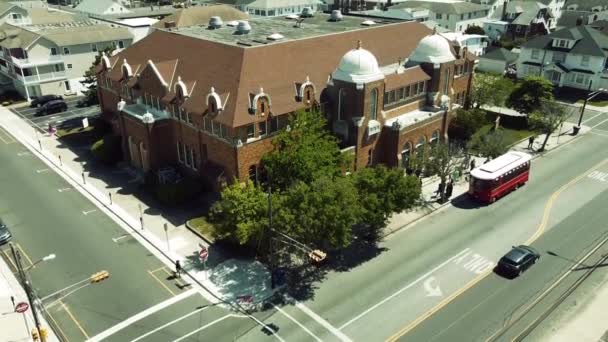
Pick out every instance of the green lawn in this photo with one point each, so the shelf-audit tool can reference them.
(599, 103)
(201, 225)
(511, 135)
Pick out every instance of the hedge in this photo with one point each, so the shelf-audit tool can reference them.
(108, 149)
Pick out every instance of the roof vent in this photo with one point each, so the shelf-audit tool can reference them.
(215, 22)
(368, 23)
(232, 23)
(169, 24)
(306, 12)
(292, 16)
(243, 27)
(275, 36)
(335, 15)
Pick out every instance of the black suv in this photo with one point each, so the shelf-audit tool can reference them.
(41, 100)
(51, 107)
(517, 260)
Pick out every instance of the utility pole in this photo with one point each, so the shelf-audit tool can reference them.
(270, 251)
(580, 118)
(28, 290)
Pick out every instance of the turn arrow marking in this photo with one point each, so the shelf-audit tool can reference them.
(430, 290)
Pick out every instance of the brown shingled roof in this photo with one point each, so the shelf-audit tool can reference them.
(273, 67)
(410, 75)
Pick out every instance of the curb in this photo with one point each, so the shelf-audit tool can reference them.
(197, 233)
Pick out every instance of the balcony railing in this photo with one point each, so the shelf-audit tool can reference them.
(25, 62)
(57, 75)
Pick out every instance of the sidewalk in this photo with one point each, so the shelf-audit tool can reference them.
(13, 325)
(429, 185)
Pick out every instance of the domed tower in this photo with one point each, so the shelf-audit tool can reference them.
(436, 57)
(356, 90)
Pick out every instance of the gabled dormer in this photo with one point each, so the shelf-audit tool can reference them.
(561, 43)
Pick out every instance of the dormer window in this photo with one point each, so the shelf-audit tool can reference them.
(214, 102)
(127, 72)
(562, 43)
(259, 103)
(181, 92)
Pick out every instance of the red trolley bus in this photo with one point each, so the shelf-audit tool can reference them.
(498, 177)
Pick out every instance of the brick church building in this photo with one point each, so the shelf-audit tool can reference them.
(209, 98)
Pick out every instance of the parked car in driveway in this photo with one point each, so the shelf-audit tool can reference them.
(52, 107)
(41, 100)
(87, 101)
(517, 260)
(5, 234)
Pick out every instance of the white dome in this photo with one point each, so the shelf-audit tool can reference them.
(433, 49)
(359, 66)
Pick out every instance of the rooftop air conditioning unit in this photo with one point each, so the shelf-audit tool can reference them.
(215, 22)
(335, 15)
(243, 27)
(275, 36)
(306, 12)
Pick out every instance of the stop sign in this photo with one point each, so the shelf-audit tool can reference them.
(21, 307)
(203, 254)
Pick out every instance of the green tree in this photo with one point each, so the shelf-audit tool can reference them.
(382, 192)
(443, 160)
(548, 119)
(474, 29)
(90, 77)
(241, 214)
(304, 152)
(529, 94)
(320, 214)
(490, 145)
(466, 123)
(490, 89)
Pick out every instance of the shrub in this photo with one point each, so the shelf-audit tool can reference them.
(108, 149)
(178, 193)
(466, 123)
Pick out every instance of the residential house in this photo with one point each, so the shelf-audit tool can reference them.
(601, 25)
(497, 61)
(101, 7)
(388, 90)
(475, 43)
(408, 13)
(570, 57)
(13, 14)
(586, 5)
(495, 29)
(455, 16)
(52, 58)
(273, 8)
(526, 18)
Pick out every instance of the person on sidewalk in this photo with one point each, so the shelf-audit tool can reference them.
(439, 191)
(448, 189)
(178, 269)
(531, 142)
(472, 164)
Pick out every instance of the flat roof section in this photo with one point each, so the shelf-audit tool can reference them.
(496, 167)
(262, 28)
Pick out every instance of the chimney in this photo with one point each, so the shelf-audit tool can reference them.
(579, 21)
(504, 11)
(170, 24)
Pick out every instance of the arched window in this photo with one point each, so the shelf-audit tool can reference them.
(420, 147)
(212, 105)
(373, 105)
(434, 138)
(341, 103)
(405, 154)
(308, 94)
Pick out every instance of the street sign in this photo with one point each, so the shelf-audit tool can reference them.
(203, 254)
(21, 307)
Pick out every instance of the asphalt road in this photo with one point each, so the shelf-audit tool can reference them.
(41, 122)
(46, 215)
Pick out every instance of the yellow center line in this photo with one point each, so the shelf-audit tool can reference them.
(65, 307)
(26, 256)
(161, 283)
(65, 337)
(539, 231)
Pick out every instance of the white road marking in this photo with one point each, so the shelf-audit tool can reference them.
(142, 315)
(424, 276)
(601, 122)
(203, 328)
(598, 175)
(116, 239)
(89, 211)
(476, 264)
(432, 291)
(597, 133)
(323, 322)
(170, 323)
(21, 154)
(42, 170)
(298, 323)
(64, 189)
(591, 118)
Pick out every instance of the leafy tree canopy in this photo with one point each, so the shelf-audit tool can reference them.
(304, 152)
(474, 29)
(529, 94)
(466, 123)
(490, 145)
(548, 119)
(90, 77)
(490, 89)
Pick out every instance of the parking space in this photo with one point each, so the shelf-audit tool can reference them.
(57, 119)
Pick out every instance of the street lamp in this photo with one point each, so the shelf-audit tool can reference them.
(590, 95)
(46, 258)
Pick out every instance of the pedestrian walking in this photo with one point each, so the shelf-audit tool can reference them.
(472, 163)
(178, 268)
(531, 142)
(448, 189)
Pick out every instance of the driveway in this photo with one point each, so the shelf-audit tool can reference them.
(42, 122)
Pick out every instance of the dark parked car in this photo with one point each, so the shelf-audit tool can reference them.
(87, 101)
(5, 235)
(51, 107)
(518, 259)
(41, 100)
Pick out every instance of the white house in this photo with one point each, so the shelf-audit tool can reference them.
(101, 7)
(475, 43)
(273, 8)
(453, 15)
(570, 57)
(497, 61)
